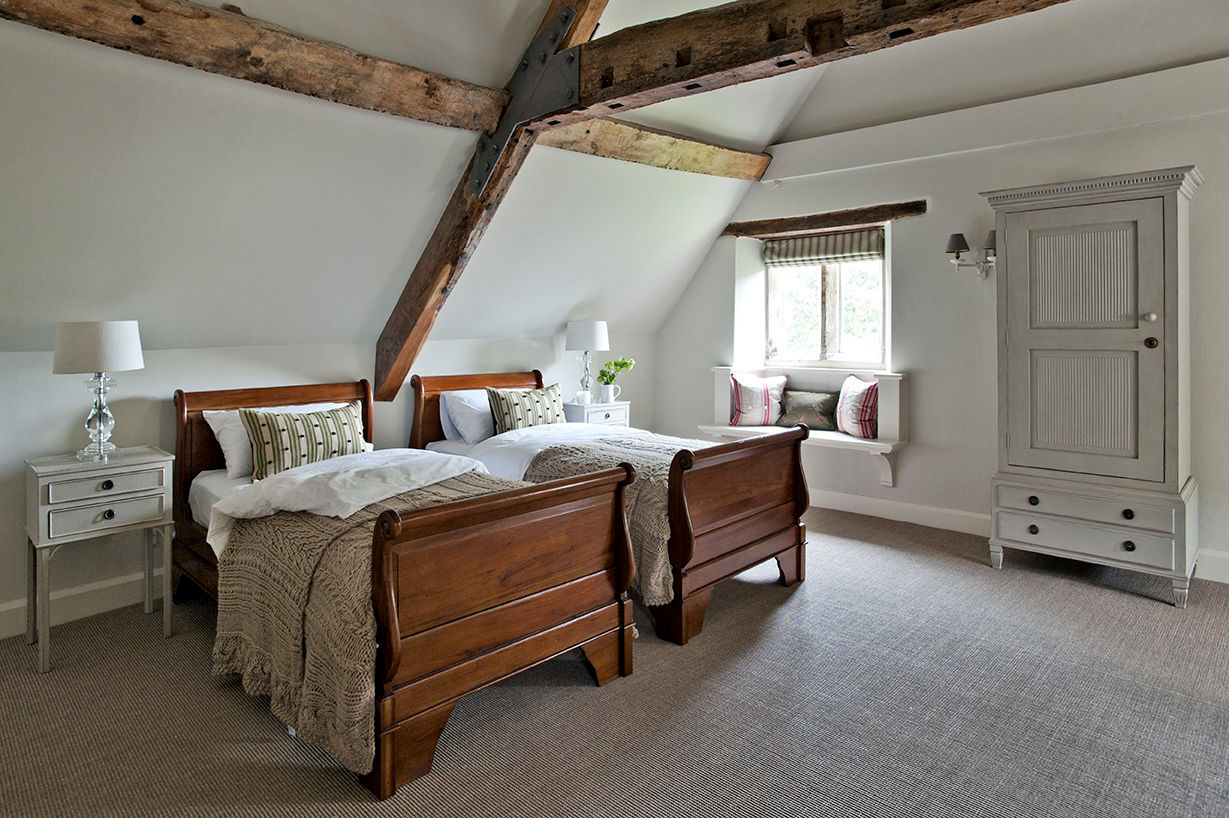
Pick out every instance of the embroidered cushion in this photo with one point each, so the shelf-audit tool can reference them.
(755, 401)
(522, 408)
(816, 409)
(857, 410)
(283, 441)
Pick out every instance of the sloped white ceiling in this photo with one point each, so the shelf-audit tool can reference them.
(219, 212)
(1064, 46)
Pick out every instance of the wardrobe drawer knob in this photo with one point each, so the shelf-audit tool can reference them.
(107, 485)
(1128, 514)
(109, 514)
(1032, 529)
(1033, 500)
(1128, 546)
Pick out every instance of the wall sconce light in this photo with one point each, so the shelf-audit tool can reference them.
(957, 244)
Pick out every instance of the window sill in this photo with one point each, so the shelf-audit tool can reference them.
(883, 449)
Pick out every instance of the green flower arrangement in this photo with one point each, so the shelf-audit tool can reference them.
(607, 374)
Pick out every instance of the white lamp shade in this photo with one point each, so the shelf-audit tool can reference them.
(587, 335)
(97, 346)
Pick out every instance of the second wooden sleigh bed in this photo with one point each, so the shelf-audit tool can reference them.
(731, 506)
(465, 594)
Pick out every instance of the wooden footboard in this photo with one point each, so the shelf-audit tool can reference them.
(469, 593)
(732, 507)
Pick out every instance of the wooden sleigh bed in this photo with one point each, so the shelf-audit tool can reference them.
(464, 594)
(731, 506)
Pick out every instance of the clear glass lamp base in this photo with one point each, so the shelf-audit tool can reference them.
(100, 421)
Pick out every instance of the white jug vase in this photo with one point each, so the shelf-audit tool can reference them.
(610, 392)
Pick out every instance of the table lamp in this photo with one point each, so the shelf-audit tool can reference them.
(587, 336)
(97, 347)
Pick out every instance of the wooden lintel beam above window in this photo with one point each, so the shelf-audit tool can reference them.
(234, 45)
(792, 226)
(752, 39)
(630, 142)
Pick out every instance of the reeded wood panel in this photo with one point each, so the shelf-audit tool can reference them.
(447, 577)
(1085, 401)
(1084, 277)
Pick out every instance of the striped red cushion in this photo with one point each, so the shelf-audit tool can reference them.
(857, 411)
(755, 401)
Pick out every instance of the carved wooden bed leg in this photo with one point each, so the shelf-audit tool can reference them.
(607, 655)
(407, 751)
(793, 565)
(682, 618)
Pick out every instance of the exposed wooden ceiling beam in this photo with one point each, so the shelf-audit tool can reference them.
(245, 48)
(630, 142)
(792, 226)
(752, 39)
(456, 236)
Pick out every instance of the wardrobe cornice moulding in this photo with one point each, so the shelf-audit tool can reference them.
(1184, 179)
(1144, 99)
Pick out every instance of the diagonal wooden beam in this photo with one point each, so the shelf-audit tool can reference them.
(667, 59)
(630, 142)
(245, 48)
(456, 235)
(752, 39)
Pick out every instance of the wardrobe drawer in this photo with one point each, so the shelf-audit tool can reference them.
(1081, 539)
(1101, 510)
(65, 491)
(78, 520)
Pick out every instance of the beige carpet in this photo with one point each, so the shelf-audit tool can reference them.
(905, 677)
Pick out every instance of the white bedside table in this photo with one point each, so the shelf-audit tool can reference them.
(616, 413)
(68, 501)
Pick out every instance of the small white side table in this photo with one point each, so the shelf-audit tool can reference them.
(615, 413)
(69, 501)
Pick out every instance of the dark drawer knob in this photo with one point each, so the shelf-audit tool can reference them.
(1128, 514)
(607, 416)
(1032, 529)
(1151, 343)
(107, 485)
(1128, 546)
(1033, 500)
(109, 514)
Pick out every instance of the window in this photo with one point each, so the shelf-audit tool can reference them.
(826, 300)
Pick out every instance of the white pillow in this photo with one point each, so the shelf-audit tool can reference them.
(755, 401)
(233, 438)
(857, 410)
(450, 431)
(470, 413)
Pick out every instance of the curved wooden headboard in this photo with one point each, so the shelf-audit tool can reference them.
(426, 428)
(196, 449)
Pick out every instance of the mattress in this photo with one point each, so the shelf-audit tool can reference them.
(450, 447)
(207, 488)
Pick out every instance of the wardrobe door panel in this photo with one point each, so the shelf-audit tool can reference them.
(1085, 328)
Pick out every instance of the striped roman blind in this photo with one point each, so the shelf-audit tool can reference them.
(825, 248)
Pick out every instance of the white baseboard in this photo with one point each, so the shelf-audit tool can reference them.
(950, 519)
(68, 604)
(1213, 565)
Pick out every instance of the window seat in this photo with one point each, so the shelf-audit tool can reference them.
(891, 413)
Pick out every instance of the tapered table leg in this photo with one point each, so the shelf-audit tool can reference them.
(31, 590)
(147, 563)
(166, 535)
(44, 610)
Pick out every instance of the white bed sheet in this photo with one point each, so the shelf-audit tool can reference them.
(209, 487)
(451, 447)
(509, 455)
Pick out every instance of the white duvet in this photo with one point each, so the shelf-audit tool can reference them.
(337, 487)
(508, 455)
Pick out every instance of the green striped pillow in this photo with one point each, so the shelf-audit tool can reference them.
(522, 408)
(282, 441)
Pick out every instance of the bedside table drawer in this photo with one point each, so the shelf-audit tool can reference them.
(65, 491)
(615, 415)
(72, 521)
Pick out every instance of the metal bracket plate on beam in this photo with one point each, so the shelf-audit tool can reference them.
(545, 81)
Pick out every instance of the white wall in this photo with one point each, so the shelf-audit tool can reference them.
(43, 414)
(944, 322)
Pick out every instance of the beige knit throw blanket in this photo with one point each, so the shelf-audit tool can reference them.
(295, 619)
(647, 499)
